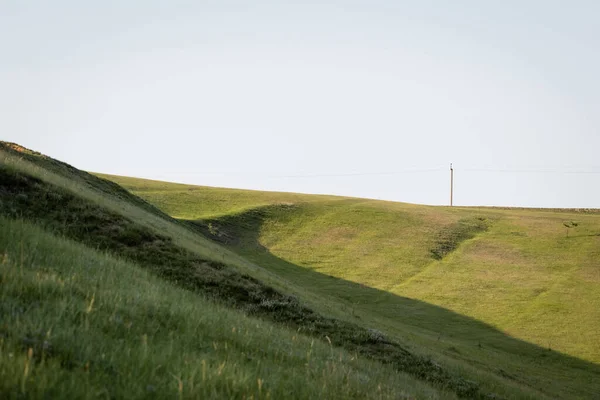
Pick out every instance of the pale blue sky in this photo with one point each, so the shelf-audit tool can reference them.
(317, 97)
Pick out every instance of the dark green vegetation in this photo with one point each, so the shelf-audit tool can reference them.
(78, 311)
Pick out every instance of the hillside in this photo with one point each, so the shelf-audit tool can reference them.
(103, 295)
(265, 295)
(504, 291)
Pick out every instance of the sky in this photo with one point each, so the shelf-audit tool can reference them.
(370, 98)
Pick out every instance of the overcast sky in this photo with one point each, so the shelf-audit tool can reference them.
(365, 98)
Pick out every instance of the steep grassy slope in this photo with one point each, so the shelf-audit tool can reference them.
(37, 297)
(511, 277)
(77, 323)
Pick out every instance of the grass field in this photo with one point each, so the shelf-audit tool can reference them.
(273, 295)
(504, 291)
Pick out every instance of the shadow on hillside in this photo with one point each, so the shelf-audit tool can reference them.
(456, 333)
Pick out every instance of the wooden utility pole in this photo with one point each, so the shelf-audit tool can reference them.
(451, 185)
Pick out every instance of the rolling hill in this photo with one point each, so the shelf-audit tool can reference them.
(126, 288)
(477, 285)
(103, 295)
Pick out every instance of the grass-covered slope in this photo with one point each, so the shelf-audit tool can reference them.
(44, 165)
(63, 312)
(517, 271)
(78, 323)
(503, 291)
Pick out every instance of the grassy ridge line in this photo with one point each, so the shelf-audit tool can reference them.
(226, 228)
(170, 227)
(184, 201)
(78, 323)
(104, 186)
(60, 211)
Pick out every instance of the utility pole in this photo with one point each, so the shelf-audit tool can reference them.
(451, 185)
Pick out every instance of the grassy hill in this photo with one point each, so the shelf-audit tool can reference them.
(78, 323)
(487, 291)
(273, 295)
(103, 295)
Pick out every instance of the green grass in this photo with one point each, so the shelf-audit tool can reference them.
(192, 202)
(501, 295)
(79, 323)
(405, 291)
(64, 213)
(65, 205)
